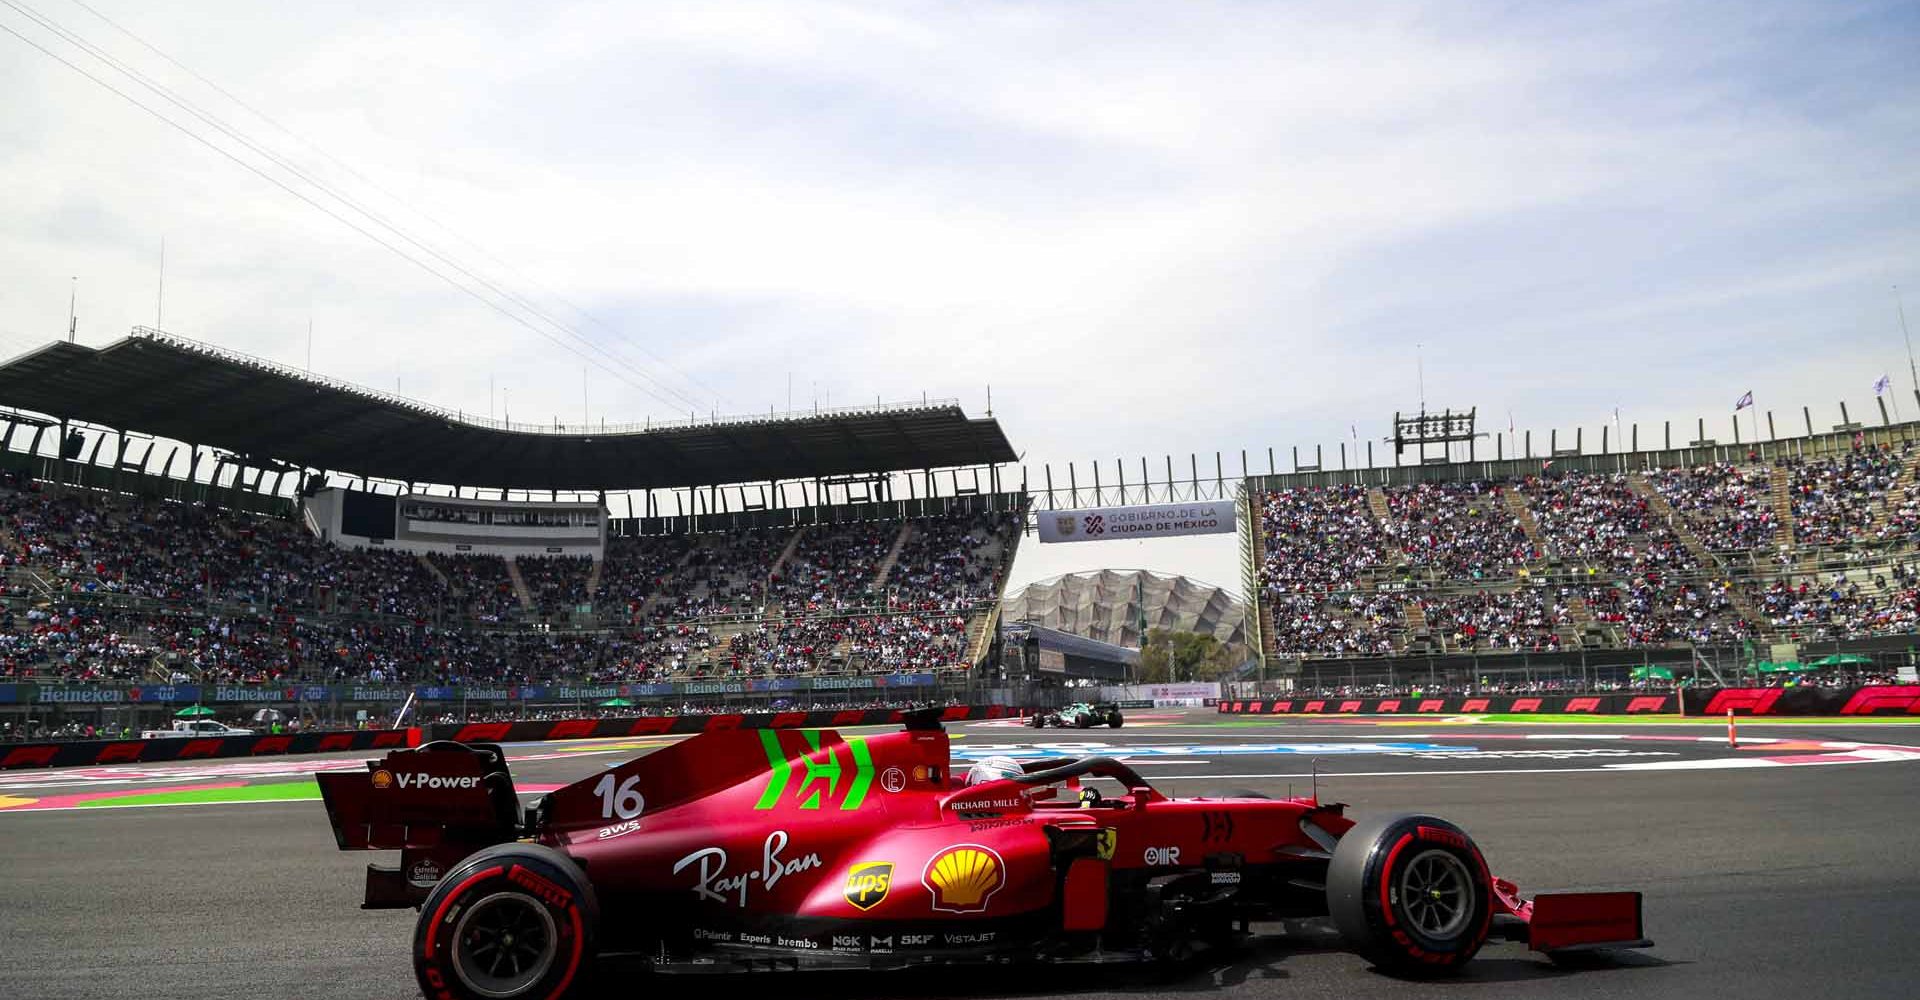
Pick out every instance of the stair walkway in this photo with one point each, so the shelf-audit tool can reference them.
(1516, 502)
(1377, 504)
(1637, 481)
(647, 606)
(1416, 617)
(1897, 494)
(1383, 516)
(593, 577)
(435, 570)
(1782, 502)
(786, 553)
(893, 556)
(980, 634)
(1585, 624)
(520, 591)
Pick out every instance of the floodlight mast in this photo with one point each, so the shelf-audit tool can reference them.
(1424, 430)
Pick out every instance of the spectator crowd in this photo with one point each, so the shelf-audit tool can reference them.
(137, 590)
(1346, 570)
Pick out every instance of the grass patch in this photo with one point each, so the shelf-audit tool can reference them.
(289, 791)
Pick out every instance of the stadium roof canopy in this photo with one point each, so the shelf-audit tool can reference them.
(175, 388)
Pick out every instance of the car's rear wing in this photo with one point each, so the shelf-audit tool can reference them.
(435, 805)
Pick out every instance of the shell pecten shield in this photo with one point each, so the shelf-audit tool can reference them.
(963, 878)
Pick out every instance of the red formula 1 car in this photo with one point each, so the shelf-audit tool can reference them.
(808, 849)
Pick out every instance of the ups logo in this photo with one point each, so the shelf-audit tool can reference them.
(868, 882)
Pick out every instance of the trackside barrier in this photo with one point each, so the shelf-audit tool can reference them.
(1887, 699)
(1882, 699)
(72, 753)
(674, 725)
(1578, 704)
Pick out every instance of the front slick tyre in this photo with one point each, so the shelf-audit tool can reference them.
(513, 922)
(1411, 894)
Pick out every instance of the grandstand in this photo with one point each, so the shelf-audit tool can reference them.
(1764, 550)
(366, 573)
(234, 537)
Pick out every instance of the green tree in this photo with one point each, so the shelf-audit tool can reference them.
(1170, 656)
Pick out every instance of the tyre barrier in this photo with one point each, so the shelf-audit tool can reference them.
(70, 753)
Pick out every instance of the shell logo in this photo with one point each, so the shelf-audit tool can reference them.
(382, 779)
(964, 877)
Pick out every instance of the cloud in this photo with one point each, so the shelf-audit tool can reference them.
(1152, 229)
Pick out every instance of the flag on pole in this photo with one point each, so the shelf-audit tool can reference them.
(1744, 402)
(1881, 385)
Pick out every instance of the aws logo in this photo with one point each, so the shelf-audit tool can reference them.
(962, 879)
(868, 882)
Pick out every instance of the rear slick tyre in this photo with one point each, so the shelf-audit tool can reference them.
(512, 922)
(1411, 894)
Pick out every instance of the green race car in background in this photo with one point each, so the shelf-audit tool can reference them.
(1079, 715)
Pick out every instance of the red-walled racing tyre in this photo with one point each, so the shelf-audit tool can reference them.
(1411, 894)
(513, 922)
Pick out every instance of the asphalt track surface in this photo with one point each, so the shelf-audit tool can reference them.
(1762, 881)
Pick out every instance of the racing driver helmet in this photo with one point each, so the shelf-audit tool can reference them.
(992, 769)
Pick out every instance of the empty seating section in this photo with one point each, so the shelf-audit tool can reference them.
(132, 590)
(1572, 559)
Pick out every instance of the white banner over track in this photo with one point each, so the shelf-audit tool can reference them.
(1163, 520)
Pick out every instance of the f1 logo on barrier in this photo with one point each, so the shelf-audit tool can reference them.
(1873, 700)
(1752, 701)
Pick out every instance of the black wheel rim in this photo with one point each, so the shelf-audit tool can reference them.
(1436, 894)
(504, 944)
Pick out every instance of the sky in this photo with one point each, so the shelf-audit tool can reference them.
(1153, 229)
